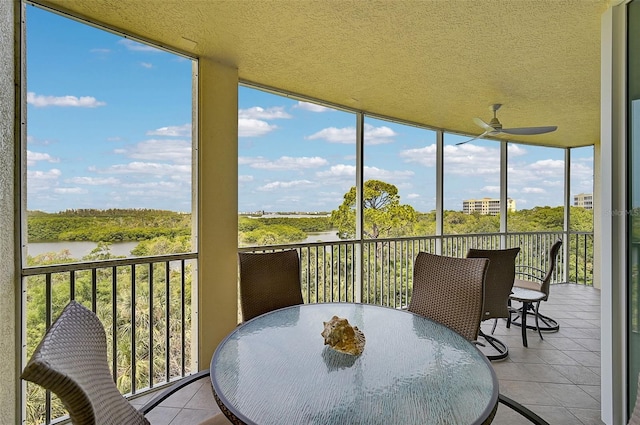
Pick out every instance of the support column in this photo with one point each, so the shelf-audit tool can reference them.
(610, 233)
(216, 209)
(10, 86)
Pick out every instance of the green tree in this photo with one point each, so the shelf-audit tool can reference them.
(384, 216)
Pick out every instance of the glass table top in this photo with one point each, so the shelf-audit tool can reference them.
(275, 369)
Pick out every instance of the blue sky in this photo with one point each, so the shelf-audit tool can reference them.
(109, 126)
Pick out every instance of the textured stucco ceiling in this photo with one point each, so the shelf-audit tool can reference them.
(433, 62)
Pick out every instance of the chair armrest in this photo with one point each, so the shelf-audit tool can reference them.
(166, 393)
(531, 272)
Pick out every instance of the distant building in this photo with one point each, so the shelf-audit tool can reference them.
(584, 200)
(486, 206)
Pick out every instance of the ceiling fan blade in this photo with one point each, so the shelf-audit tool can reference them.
(483, 124)
(477, 137)
(524, 131)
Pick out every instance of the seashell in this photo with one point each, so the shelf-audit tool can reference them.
(341, 336)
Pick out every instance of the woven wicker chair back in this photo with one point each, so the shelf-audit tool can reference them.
(553, 259)
(268, 281)
(499, 282)
(450, 291)
(71, 361)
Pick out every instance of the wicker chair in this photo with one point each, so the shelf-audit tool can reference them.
(268, 281)
(450, 291)
(499, 281)
(531, 291)
(71, 361)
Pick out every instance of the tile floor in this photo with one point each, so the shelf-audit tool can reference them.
(558, 377)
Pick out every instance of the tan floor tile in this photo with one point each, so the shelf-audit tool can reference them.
(556, 357)
(587, 416)
(577, 374)
(162, 415)
(191, 417)
(592, 390)
(181, 398)
(525, 392)
(565, 344)
(203, 399)
(585, 358)
(506, 416)
(555, 415)
(570, 396)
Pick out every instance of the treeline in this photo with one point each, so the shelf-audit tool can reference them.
(113, 225)
(116, 225)
(278, 230)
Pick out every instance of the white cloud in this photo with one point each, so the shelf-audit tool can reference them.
(183, 130)
(413, 195)
(176, 151)
(40, 101)
(114, 139)
(137, 47)
(386, 175)
(146, 65)
(463, 160)
(546, 172)
(425, 156)
(340, 170)
(286, 185)
(100, 50)
(254, 128)
(70, 190)
(256, 112)
(370, 173)
(491, 189)
(151, 185)
(245, 179)
(514, 150)
(313, 107)
(283, 163)
(144, 168)
(93, 181)
(42, 181)
(32, 141)
(372, 135)
(536, 190)
(34, 157)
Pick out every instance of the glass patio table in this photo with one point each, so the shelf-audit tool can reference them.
(275, 369)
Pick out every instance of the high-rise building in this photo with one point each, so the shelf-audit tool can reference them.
(584, 200)
(486, 206)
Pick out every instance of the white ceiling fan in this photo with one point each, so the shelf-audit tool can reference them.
(494, 127)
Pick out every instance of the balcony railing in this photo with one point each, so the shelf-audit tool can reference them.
(149, 338)
(145, 306)
(330, 270)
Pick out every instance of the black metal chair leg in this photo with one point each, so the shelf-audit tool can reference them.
(495, 323)
(525, 307)
(499, 346)
(537, 323)
(548, 324)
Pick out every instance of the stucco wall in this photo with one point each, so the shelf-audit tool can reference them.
(8, 344)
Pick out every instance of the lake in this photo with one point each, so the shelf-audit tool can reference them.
(80, 249)
(321, 237)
